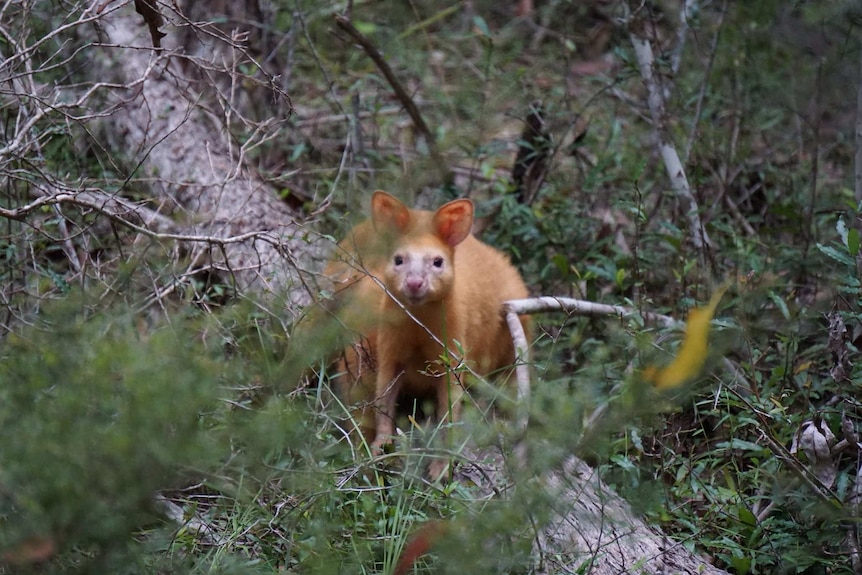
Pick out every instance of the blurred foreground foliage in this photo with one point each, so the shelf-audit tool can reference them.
(173, 448)
(100, 413)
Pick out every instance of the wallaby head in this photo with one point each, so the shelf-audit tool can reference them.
(421, 246)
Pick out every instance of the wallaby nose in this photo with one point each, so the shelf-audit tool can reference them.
(415, 284)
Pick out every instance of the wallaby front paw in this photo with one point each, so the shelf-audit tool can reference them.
(378, 446)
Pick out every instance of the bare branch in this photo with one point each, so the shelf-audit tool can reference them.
(522, 370)
(672, 163)
(402, 95)
(513, 308)
(687, 9)
(581, 307)
(713, 50)
(858, 166)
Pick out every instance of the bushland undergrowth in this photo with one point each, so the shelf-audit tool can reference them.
(179, 431)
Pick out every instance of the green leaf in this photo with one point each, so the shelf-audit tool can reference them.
(740, 444)
(561, 262)
(853, 241)
(741, 565)
(481, 26)
(780, 303)
(836, 255)
(620, 278)
(746, 516)
(849, 236)
(365, 27)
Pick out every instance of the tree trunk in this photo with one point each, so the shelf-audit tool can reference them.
(201, 170)
(599, 528)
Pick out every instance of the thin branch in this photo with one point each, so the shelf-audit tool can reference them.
(585, 308)
(516, 307)
(858, 167)
(672, 162)
(701, 96)
(400, 93)
(825, 494)
(522, 370)
(123, 212)
(688, 8)
(66, 240)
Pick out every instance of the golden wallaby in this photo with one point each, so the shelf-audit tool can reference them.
(442, 286)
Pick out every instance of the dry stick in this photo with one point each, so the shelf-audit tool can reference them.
(400, 93)
(688, 7)
(123, 212)
(858, 161)
(858, 167)
(582, 307)
(522, 370)
(698, 110)
(672, 163)
(108, 204)
(514, 308)
(824, 493)
(852, 532)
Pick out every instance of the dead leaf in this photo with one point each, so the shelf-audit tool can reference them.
(837, 346)
(816, 441)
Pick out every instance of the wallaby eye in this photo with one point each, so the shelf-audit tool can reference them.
(438, 262)
(398, 260)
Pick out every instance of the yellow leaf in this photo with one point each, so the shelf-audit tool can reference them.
(804, 366)
(693, 351)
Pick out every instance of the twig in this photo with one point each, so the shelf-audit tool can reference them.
(110, 205)
(581, 307)
(810, 231)
(66, 239)
(123, 212)
(400, 93)
(314, 121)
(516, 307)
(825, 494)
(689, 7)
(858, 167)
(698, 110)
(672, 162)
(522, 370)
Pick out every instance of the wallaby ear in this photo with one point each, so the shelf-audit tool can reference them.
(388, 213)
(453, 221)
